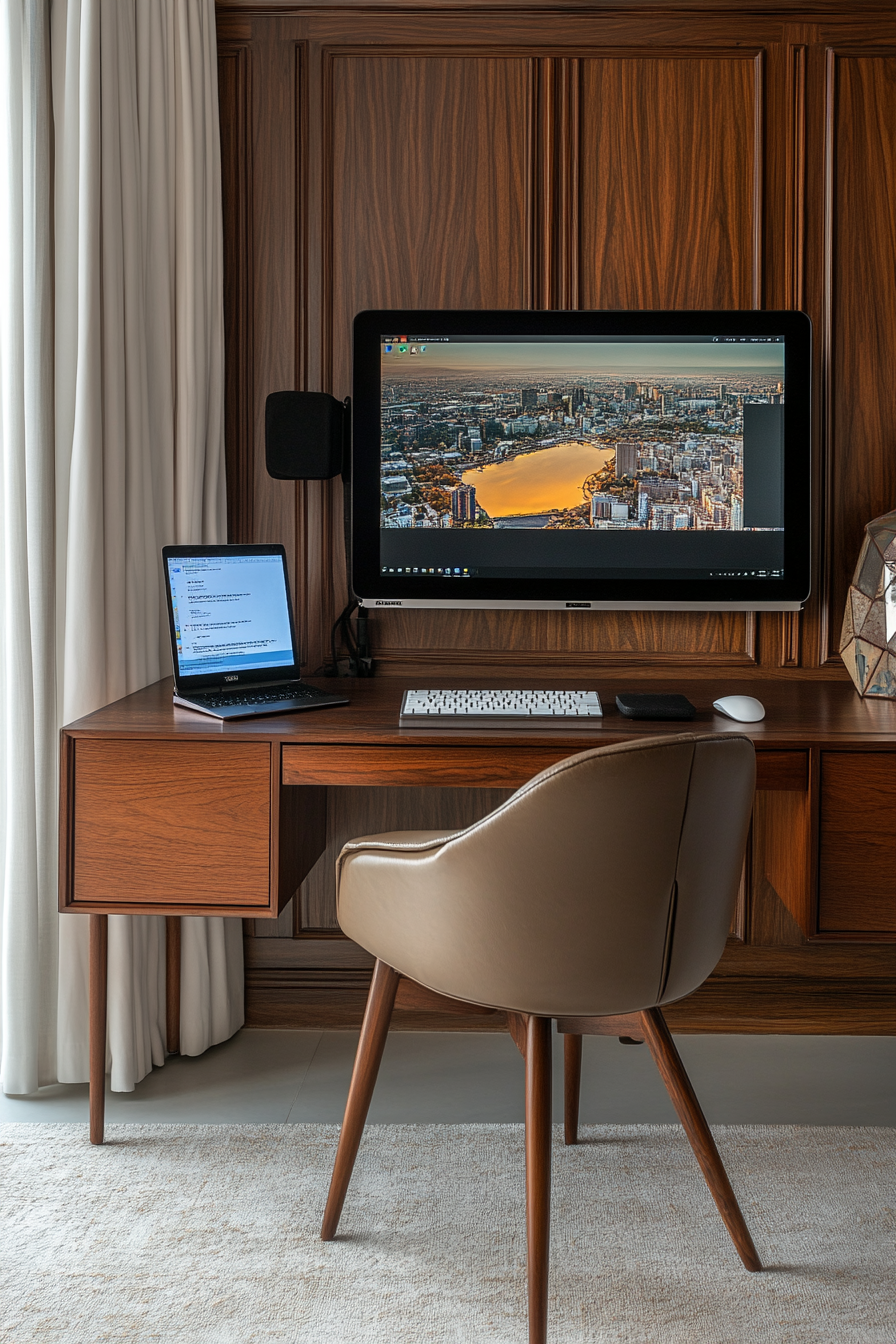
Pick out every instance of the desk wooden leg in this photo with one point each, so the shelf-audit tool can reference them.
(172, 983)
(99, 948)
(572, 1085)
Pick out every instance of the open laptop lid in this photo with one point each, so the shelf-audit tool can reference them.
(230, 616)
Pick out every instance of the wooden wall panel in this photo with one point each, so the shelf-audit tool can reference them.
(430, 186)
(670, 198)
(427, 201)
(233, 97)
(861, 307)
(436, 193)
(558, 642)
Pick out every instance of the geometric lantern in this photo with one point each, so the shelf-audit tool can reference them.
(868, 638)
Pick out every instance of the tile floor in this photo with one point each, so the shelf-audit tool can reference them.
(301, 1077)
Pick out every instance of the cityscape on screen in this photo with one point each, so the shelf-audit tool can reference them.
(627, 438)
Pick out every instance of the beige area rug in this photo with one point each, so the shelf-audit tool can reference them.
(208, 1233)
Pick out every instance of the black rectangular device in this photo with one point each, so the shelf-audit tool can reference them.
(580, 460)
(641, 706)
(233, 638)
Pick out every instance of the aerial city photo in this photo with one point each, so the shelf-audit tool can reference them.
(604, 435)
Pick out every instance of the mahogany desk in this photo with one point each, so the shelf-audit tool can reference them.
(165, 811)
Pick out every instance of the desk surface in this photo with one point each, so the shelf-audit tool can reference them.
(798, 713)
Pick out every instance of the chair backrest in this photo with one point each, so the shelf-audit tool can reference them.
(604, 885)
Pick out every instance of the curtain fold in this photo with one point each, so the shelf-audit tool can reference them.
(130, 408)
(28, 919)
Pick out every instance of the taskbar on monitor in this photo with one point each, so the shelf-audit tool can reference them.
(629, 574)
(535, 604)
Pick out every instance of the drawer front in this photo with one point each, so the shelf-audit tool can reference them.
(434, 767)
(478, 767)
(174, 824)
(857, 856)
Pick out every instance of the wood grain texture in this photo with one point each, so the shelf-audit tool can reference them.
(320, 981)
(621, 1024)
(302, 836)
(670, 206)
(857, 859)
(556, 642)
(429, 185)
(164, 823)
(229, 11)
(236, 190)
(433, 767)
(270, 267)
(673, 157)
(780, 904)
(860, 317)
(801, 711)
(786, 1004)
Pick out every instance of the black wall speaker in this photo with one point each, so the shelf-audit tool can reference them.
(305, 436)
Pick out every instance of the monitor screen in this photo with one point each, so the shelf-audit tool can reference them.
(229, 612)
(564, 459)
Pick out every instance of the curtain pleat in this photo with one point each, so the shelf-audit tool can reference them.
(113, 447)
(27, 662)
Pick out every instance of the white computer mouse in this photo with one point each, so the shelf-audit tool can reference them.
(741, 707)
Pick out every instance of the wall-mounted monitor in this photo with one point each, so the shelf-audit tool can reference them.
(616, 460)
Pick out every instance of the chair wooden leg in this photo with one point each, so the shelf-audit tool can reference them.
(97, 973)
(684, 1099)
(572, 1086)
(538, 1172)
(374, 1030)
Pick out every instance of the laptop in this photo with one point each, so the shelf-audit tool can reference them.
(233, 638)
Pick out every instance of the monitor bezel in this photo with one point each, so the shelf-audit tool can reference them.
(251, 677)
(372, 588)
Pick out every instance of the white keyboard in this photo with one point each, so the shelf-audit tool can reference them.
(569, 709)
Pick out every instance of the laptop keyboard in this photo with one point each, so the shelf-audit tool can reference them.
(271, 695)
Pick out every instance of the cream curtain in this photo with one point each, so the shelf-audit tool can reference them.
(133, 416)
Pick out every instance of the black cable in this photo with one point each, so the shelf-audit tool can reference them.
(358, 645)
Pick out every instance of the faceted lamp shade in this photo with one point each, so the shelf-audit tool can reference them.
(868, 638)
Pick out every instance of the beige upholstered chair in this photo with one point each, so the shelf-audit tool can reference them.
(601, 890)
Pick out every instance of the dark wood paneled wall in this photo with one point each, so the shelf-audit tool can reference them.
(586, 157)
(678, 155)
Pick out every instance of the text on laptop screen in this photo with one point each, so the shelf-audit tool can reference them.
(231, 613)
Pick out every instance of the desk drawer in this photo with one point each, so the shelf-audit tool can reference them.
(170, 823)
(434, 767)
(477, 767)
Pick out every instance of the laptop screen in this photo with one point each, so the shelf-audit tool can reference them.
(230, 613)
